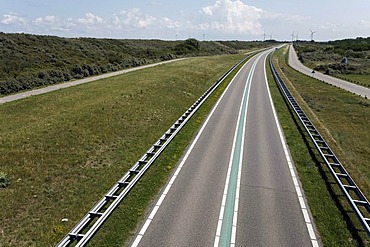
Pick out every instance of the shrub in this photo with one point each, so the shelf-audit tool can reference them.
(4, 180)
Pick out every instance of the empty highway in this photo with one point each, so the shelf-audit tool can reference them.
(236, 185)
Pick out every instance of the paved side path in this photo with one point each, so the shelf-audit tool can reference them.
(296, 64)
(26, 94)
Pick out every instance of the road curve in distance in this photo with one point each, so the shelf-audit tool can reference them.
(236, 185)
(353, 88)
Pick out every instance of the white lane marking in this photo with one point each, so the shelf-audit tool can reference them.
(292, 171)
(301, 202)
(154, 211)
(168, 187)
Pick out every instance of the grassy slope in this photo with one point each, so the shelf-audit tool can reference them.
(25, 53)
(31, 61)
(343, 120)
(65, 149)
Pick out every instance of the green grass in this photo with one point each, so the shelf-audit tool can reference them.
(342, 118)
(363, 80)
(62, 151)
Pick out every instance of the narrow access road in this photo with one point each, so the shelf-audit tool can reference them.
(236, 185)
(353, 88)
(51, 88)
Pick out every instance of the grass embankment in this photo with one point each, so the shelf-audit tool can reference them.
(342, 118)
(30, 61)
(62, 151)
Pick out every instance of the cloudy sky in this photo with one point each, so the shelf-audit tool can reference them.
(181, 19)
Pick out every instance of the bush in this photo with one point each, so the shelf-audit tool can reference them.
(166, 57)
(4, 180)
(187, 47)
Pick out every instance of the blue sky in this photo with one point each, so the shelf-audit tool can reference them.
(207, 19)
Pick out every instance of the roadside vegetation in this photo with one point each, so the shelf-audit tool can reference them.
(63, 150)
(342, 118)
(30, 61)
(348, 59)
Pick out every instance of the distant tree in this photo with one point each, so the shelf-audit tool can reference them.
(193, 43)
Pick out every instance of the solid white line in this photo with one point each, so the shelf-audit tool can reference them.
(146, 225)
(168, 187)
(298, 189)
(161, 200)
(137, 240)
(154, 211)
(292, 171)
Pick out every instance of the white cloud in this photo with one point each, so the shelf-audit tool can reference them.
(223, 19)
(13, 19)
(153, 3)
(329, 26)
(91, 19)
(134, 23)
(208, 10)
(53, 23)
(47, 20)
(284, 17)
(231, 17)
(364, 24)
(169, 23)
(134, 18)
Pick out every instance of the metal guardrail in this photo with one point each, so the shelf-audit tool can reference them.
(358, 202)
(85, 229)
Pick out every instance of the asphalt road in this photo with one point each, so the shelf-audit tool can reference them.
(353, 88)
(236, 185)
(48, 89)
